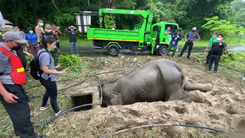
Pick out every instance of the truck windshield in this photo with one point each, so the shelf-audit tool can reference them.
(173, 28)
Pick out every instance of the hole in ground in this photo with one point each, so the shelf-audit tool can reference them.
(81, 100)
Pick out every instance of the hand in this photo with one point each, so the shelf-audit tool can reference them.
(193, 42)
(186, 40)
(74, 27)
(223, 55)
(29, 55)
(10, 98)
(64, 71)
(69, 27)
(206, 53)
(177, 36)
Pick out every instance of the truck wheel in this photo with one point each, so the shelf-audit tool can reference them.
(113, 50)
(162, 51)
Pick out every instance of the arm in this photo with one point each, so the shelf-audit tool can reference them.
(48, 71)
(180, 37)
(37, 33)
(225, 49)
(198, 38)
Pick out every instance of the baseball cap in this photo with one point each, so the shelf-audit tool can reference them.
(194, 28)
(14, 36)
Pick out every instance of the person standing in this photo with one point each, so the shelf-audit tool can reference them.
(39, 29)
(57, 32)
(49, 33)
(218, 49)
(49, 74)
(12, 78)
(211, 41)
(190, 41)
(176, 37)
(31, 37)
(72, 32)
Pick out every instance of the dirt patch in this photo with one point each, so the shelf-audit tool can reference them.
(223, 107)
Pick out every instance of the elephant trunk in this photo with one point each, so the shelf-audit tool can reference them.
(197, 86)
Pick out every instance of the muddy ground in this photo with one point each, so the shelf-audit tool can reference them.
(223, 107)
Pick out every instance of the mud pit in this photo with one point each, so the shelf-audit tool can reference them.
(223, 107)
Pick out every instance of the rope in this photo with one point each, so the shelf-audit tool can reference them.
(71, 109)
(160, 125)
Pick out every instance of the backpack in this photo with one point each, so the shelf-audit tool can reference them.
(35, 71)
(196, 35)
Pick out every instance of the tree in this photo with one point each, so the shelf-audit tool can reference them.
(222, 26)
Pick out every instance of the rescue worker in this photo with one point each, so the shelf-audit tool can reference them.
(190, 41)
(211, 41)
(218, 49)
(49, 33)
(12, 94)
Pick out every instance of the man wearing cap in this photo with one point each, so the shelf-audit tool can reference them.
(211, 41)
(192, 35)
(12, 94)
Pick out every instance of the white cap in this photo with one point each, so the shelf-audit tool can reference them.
(194, 28)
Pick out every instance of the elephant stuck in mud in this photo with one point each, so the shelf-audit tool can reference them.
(157, 80)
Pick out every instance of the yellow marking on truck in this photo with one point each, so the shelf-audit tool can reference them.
(139, 48)
(115, 40)
(165, 43)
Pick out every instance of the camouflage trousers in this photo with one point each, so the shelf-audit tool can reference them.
(55, 55)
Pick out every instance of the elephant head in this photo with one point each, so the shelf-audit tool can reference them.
(110, 97)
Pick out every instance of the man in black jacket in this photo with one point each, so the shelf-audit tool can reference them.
(218, 49)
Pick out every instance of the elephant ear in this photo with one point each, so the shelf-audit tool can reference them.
(116, 98)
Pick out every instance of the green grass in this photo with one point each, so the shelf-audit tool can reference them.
(86, 42)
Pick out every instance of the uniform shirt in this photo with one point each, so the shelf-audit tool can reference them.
(212, 40)
(6, 66)
(192, 36)
(44, 60)
(32, 38)
(44, 34)
(219, 48)
(72, 35)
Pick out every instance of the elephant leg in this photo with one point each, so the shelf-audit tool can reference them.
(193, 96)
(197, 86)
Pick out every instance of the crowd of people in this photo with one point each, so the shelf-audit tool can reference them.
(42, 45)
(216, 48)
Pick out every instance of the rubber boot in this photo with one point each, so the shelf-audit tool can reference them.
(175, 48)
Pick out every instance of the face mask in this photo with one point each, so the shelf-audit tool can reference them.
(219, 39)
(41, 24)
(31, 32)
(193, 30)
(48, 31)
(49, 50)
(16, 48)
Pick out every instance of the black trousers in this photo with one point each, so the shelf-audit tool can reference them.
(214, 59)
(51, 91)
(19, 112)
(187, 44)
(208, 57)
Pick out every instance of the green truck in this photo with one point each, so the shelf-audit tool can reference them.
(144, 37)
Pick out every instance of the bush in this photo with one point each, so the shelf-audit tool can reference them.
(71, 61)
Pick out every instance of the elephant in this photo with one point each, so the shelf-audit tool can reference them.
(157, 80)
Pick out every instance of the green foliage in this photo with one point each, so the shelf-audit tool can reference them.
(234, 57)
(71, 61)
(28, 59)
(109, 21)
(222, 26)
